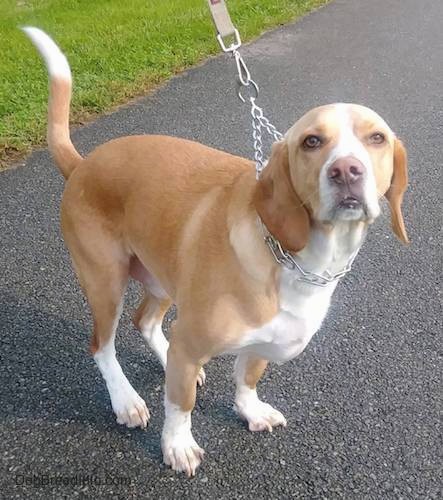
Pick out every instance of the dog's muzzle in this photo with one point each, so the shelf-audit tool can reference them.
(347, 176)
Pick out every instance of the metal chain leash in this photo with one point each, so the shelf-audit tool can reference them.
(248, 91)
(259, 121)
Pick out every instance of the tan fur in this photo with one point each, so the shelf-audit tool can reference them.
(304, 166)
(278, 203)
(182, 371)
(108, 197)
(59, 141)
(398, 186)
(254, 370)
(150, 308)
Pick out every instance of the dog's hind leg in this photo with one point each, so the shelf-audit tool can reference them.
(103, 271)
(148, 320)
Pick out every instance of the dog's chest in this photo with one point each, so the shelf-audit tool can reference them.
(302, 309)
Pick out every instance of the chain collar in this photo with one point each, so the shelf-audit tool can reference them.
(287, 260)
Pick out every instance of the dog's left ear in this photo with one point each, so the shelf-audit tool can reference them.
(278, 204)
(394, 194)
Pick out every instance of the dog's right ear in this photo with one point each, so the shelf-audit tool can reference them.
(278, 204)
(394, 195)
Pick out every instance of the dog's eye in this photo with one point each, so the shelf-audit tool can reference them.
(312, 142)
(377, 138)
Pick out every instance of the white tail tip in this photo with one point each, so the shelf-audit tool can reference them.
(54, 58)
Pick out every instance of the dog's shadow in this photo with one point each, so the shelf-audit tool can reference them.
(49, 377)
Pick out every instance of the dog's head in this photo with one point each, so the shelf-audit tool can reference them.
(333, 165)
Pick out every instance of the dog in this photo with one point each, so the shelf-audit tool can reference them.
(250, 264)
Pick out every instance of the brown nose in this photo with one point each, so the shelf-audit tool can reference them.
(346, 170)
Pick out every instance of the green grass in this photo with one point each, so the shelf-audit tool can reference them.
(117, 50)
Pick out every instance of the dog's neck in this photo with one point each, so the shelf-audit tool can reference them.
(330, 247)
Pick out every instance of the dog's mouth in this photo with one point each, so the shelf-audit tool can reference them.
(351, 208)
(350, 203)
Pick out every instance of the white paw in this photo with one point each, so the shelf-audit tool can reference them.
(260, 416)
(130, 409)
(182, 453)
(201, 379)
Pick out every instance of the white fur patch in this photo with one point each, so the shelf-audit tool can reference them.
(303, 306)
(348, 145)
(302, 309)
(180, 449)
(280, 340)
(259, 415)
(154, 336)
(54, 58)
(128, 406)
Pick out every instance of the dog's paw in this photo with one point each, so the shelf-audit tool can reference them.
(182, 453)
(131, 410)
(260, 416)
(201, 379)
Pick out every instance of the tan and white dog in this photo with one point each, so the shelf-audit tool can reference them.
(186, 221)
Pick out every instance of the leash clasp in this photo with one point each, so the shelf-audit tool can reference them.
(236, 44)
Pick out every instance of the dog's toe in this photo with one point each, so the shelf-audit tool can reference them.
(182, 455)
(132, 411)
(201, 379)
(261, 416)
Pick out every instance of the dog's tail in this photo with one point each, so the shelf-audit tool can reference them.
(65, 155)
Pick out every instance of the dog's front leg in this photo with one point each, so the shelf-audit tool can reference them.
(180, 449)
(260, 416)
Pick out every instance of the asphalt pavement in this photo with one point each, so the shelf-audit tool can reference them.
(362, 401)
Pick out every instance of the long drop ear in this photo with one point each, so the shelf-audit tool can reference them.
(277, 203)
(394, 194)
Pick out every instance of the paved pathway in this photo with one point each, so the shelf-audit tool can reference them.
(361, 402)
